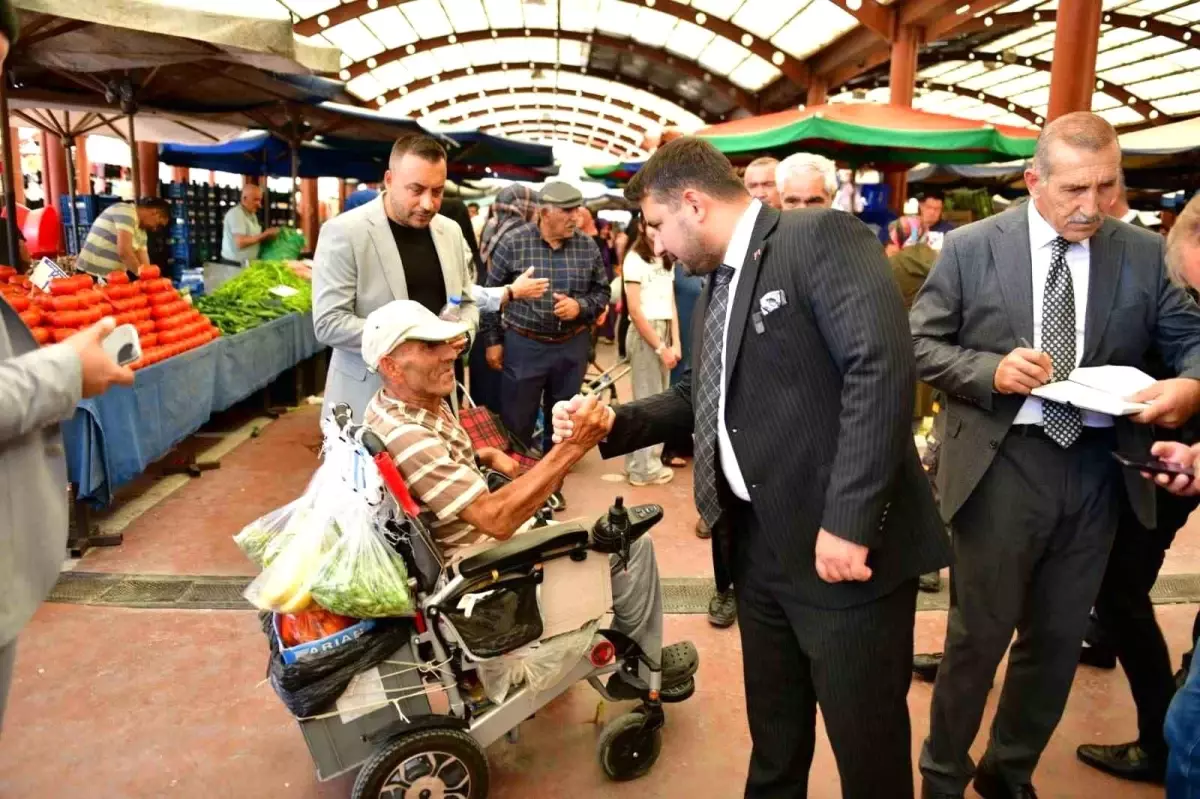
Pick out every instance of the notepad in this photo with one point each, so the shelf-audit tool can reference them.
(1102, 389)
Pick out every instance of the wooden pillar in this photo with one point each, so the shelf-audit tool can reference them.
(147, 179)
(83, 167)
(54, 169)
(14, 154)
(818, 91)
(310, 221)
(902, 81)
(1073, 69)
(343, 193)
(180, 174)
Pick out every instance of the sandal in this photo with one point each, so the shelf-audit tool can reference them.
(680, 662)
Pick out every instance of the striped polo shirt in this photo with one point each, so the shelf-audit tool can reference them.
(99, 254)
(436, 459)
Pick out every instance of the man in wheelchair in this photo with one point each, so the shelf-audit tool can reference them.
(414, 352)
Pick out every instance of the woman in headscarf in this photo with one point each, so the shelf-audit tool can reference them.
(514, 206)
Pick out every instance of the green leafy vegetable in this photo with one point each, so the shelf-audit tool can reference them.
(246, 301)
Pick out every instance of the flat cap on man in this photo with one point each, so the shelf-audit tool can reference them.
(560, 195)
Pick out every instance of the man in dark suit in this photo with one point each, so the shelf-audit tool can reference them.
(800, 401)
(1029, 487)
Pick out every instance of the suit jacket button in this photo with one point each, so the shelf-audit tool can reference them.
(733, 429)
(993, 443)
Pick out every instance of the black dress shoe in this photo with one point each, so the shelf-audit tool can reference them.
(1128, 761)
(722, 609)
(991, 786)
(1099, 657)
(925, 666)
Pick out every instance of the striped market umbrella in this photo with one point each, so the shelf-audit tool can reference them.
(872, 133)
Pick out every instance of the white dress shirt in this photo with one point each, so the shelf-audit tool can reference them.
(1041, 237)
(735, 256)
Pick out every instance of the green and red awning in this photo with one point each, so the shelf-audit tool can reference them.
(872, 133)
(613, 175)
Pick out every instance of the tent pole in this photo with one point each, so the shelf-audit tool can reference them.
(295, 181)
(266, 191)
(10, 196)
(133, 159)
(68, 143)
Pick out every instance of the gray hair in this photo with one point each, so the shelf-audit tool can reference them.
(799, 164)
(1082, 130)
(1186, 232)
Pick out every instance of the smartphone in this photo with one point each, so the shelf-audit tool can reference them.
(122, 345)
(1152, 465)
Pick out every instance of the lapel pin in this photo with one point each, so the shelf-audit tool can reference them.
(757, 253)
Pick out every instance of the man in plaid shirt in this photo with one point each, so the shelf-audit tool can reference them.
(542, 344)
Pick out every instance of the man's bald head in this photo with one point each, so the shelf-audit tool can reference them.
(252, 197)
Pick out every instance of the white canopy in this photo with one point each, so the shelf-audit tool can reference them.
(1172, 138)
(133, 31)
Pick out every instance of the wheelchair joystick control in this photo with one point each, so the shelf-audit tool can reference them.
(611, 533)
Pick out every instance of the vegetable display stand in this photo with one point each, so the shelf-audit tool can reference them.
(82, 533)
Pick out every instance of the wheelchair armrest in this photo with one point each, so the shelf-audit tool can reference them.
(527, 549)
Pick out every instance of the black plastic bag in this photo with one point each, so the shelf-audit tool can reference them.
(312, 686)
(498, 617)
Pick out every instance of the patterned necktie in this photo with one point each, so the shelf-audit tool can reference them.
(708, 397)
(1062, 423)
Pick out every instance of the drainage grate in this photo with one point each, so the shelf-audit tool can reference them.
(681, 595)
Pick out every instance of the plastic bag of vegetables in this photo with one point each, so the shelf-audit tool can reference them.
(362, 577)
(262, 539)
(286, 246)
(293, 560)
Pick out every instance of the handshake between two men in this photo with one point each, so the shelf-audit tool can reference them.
(586, 421)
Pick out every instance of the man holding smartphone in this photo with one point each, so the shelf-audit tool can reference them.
(542, 344)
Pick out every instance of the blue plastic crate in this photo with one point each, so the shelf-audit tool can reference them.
(87, 207)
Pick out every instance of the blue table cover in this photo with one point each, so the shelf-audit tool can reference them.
(112, 438)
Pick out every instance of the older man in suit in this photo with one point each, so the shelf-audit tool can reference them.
(396, 247)
(1028, 486)
(805, 466)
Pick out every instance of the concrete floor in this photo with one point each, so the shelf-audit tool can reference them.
(122, 703)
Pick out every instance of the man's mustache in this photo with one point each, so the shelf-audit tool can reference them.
(1084, 219)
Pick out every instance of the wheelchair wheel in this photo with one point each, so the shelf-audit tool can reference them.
(625, 750)
(427, 764)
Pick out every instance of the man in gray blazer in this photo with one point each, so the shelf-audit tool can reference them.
(396, 247)
(38, 389)
(1029, 487)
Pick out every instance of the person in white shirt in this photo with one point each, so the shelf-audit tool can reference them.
(242, 234)
(652, 343)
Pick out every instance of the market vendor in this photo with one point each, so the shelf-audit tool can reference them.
(242, 235)
(414, 351)
(117, 239)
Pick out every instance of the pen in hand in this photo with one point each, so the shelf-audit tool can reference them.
(1024, 342)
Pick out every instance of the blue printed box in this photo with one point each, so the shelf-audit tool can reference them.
(323, 646)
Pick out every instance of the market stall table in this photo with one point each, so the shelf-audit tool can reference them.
(112, 438)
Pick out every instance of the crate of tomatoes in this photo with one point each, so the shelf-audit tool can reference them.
(167, 324)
